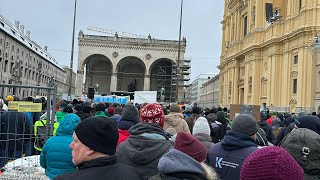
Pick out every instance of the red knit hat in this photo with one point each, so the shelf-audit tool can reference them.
(111, 110)
(188, 144)
(152, 113)
(271, 162)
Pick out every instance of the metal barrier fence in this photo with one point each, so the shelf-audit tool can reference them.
(17, 127)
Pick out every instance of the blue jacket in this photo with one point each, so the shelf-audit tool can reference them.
(228, 155)
(56, 155)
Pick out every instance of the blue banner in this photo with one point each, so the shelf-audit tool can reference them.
(110, 99)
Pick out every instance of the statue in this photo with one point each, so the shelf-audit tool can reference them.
(162, 91)
(16, 69)
(132, 87)
(96, 88)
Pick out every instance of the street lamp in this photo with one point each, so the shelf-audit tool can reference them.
(315, 51)
(72, 48)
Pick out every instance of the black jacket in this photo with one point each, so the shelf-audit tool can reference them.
(14, 128)
(101, 169)
(83, 115)
(268, 130)
(144, 153)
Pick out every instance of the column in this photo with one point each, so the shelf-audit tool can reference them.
(79, 84)
(114, 80)
(146, 86)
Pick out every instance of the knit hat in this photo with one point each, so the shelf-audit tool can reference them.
(110, 110)
(78, 107)
(271, 163)
(304, 146)
(68, 109)
(201, 126)
(196, 110)
(87, 109)
(245, 124)
(221, 117)
(105, 136)
(101, 107)
(130, 113)
(310, 122)
(188, 110)
(174, 108)
(188, 144)
(152, 113)
(118, 110)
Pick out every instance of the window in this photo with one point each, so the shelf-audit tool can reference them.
(245, 25)
(300, 5)
(295, 59)
(295, 83)
(269, 12)
(5, 65)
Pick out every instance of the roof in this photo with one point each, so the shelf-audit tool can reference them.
(10, 29)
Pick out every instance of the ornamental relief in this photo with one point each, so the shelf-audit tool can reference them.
(294, 74)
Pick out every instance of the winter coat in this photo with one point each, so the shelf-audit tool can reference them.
(100, 114)
(123, 135)
(15, 127)
(190, 122)
(60, 115)
(268, 130)
(83, 115)
(205, 140)
(228, 155)
(56, 155)
(218, 131)
(102, 169)
(176, 121)
(123, 128)
(176, 165)
(143, 153)
(304, 146)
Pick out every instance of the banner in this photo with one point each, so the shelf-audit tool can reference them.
(145, 97)
(13, 105)
(29, 107)
(111, 99)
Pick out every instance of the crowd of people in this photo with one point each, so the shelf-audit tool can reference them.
(155, 142)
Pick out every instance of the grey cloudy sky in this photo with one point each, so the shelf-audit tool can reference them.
(50, 23)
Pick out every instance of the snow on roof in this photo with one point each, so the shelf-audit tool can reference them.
(15, 33)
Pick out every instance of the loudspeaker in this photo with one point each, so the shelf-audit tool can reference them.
(90, 94)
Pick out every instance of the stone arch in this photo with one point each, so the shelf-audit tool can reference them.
(161, 72)
(130, 74)
(97, 70)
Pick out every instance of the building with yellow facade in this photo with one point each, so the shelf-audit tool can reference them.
(266, 58)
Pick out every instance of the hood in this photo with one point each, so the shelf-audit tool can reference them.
(116, 117)
(234, 140)
(125, 125)
(173, 119)
(141, 150)
(203, 137)
(141, 128)
(304, 140)
(175, 161)
(212, 117)
(83, 115)
(289, 120)
(310, 122)
(67, 125)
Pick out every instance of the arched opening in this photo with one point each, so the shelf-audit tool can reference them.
(163, 74)
(98, 70)
(130, 74)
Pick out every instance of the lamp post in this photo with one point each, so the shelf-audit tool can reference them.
(72, 48)
(179, 71)
(315, 51)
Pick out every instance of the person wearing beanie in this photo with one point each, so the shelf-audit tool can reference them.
(304, 146)
(266, 127)
(147, 142)
(100, 110)
(271, 163)
(185, 161)
(287, 121)
(219, 127)
(309, 122)
(60, 114)
(196, 111)
(228, 155)
(110, 111)
(68, 109)
(56, 155)
(94, 153)
(117, 114)
(129, 118)
(85, 113)
(201, 130)
(187, 112)
(175, 120)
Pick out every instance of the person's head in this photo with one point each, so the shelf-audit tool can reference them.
(188, 144)
(245, 124)
(62, 106)
(263, 116)
(130, 113)
(196, 110)
(86, 109)
(118, 110)
(68, 109)
(58, 103)
(75, 102)
(310, 122)
(93, 138)
(78, 108)
(188, 110)
(271, 163)
(175, 108)
(304, 146)
(221, 117)
(111, 111)
(68, 125)
(201, 126)
(101, 107)
(152, 113)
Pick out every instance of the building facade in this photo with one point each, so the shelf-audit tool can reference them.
(197, 84)
(266, 59)
(132, 64)
(209, 93)
(23, 58)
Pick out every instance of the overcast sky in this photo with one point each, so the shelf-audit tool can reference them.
(50, 23)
